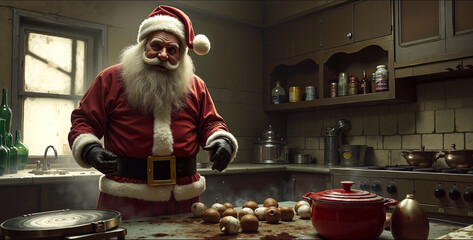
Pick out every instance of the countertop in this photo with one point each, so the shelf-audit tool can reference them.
(77, 174)
(185, 226)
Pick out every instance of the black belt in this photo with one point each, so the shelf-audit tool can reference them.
(137, 168)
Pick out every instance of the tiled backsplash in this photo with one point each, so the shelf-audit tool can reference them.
(441, 116)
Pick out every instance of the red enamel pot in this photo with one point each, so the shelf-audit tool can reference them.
(348, 213)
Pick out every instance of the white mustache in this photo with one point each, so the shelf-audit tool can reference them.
(157, 61)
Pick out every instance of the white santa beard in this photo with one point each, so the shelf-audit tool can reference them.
(149, 90)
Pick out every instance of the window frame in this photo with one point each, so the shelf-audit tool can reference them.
(94, 34)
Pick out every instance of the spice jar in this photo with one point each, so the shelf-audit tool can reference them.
(381, 75)
(353, 86)
(333, 89)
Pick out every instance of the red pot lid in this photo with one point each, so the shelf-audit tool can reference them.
(347, 195)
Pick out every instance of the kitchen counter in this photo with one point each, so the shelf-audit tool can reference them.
(23, 177)
(185, 226)
(462, 233)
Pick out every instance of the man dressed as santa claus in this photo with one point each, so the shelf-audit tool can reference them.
(153, 114)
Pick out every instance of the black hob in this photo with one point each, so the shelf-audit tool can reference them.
(422, 169)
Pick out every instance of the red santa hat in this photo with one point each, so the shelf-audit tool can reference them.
(175, 21)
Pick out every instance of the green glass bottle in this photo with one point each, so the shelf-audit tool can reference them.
(23, 151)
(3, 157)
(5, 112)
(3, 144)
(13, 166)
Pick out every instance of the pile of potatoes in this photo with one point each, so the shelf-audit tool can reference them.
(250, 214)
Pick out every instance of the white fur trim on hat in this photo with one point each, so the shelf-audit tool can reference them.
(165, 23)
(201, 44)
(148, 193)
(79, 144)
(228, 135)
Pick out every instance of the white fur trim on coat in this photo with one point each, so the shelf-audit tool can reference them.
(79, 144)
(148, 193)
(162, 136)
(165, 23)
(228, 135)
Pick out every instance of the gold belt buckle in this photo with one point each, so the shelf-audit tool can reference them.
(155, 163)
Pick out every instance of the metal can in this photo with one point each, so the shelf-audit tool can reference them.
(343, 84)
(353, 86)
(333, 89)
(294, 94)
(309, 93)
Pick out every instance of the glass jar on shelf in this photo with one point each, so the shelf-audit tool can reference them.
(278, 94)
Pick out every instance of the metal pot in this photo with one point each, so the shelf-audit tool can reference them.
(348, 213)
(271, 148)
(300, 158)
(420, 158)
(458, 158)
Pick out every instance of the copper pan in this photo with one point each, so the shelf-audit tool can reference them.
(458, 158)
(420, 158)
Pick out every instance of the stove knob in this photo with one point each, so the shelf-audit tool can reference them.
(454, 194)
(468, 194)
(364, 186)
(391, 188)
(376, 187)
(439, 192)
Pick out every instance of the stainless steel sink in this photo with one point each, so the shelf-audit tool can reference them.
(60, 171)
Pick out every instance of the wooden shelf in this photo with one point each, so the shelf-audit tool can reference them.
(353, 59)
(337, 102)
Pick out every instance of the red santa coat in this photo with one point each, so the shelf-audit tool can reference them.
(104, 112)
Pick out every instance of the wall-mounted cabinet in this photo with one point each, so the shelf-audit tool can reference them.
(292, 38)
(350, 37)
(355, 22)
(434, 30)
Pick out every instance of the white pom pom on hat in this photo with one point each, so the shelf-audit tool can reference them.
(173, 20)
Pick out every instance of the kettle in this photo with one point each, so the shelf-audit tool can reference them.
(271, 148)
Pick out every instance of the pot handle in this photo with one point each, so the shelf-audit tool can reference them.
(307, 198)
(440, 156)
(389, 202)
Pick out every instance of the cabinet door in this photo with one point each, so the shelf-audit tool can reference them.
(420, 28)
(307, 35)
(459, 25)
(279, 42)
(337, 27)
(372, 19)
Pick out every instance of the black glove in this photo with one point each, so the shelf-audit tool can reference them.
(221, 149)
(99, 158)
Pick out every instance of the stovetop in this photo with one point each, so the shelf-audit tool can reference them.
(422, 169)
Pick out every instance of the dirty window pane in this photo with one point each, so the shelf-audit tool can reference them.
(54, 64)
(47, 122)
(80, 69)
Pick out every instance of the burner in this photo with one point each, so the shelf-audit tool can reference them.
(61, 223)
(456, 170)
(376, 168)
(393, 168)
(424, 170)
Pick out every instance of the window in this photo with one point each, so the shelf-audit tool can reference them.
(58, 59)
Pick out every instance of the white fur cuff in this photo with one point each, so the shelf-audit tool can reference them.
(79, 144)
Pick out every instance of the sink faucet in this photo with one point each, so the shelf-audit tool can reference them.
(46, 165)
